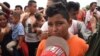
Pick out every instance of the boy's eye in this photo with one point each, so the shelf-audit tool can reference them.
(59, 23)
(50, 24)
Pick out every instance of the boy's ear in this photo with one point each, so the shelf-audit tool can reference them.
(70, 22)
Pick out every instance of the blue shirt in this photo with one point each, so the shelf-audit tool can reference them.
(17, 30)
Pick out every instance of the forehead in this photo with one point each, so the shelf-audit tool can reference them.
(94, 4)
(57, 17)
(33, 4)
(17, 8)
(2, 17)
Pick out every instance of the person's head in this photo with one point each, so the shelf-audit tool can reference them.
(58, 20)
(39, 18)
(3, 20)
(73, 9)
(32, 5)
(7, 5)
(93, 6)
(26, 9)
(93, 22)
(41, 10)
(50, 2)
(18, 8)
(15, 17)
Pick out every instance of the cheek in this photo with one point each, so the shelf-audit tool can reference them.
(63, 30)
(49, 30)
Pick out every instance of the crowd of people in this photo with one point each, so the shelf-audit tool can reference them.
(26, 31)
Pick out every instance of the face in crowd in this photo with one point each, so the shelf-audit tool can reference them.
(3, 20)
(32, 6)
(58, 20)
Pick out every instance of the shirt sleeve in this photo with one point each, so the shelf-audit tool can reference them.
(44, 27)
(21, 30)
(40, 48)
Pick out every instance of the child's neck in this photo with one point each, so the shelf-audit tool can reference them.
(16, 23)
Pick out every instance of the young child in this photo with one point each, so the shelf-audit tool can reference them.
(17, 32)
(58, 24)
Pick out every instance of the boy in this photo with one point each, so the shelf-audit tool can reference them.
(58, 24)
(17, 32)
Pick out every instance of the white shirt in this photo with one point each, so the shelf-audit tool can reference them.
(29, 36)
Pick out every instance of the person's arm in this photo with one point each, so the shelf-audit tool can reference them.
(24, 17)
(5, 7)
(21, 36)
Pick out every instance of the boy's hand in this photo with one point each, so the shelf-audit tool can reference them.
(18, 46)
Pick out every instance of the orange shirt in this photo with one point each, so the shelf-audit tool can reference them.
(77, 46)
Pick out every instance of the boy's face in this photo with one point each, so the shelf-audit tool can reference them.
(33, 7)
(3, 21)
(40, 22)
(58, 26)
(94, 6)
(14, 19)
(18, 9)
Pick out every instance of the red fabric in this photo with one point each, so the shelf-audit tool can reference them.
(53, 51)
(49, 53)
(24, 48)
(89, 26)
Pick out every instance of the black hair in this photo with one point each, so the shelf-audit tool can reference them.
(30, 2)
(25, 7)
(40, 8)
(19, 6)
(98, 8)
(57, 8)
(73, 5)
(38, 16)
(2, 13)
(6, 4)
(63, 1)
(92, 3)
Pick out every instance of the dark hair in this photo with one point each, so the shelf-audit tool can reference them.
(73, 5)
(2, 13)
(92, 3)
(6, 4)
(25, 7)
(38, 16)
(63, 1)
(40, 8)
(19, 6)
(98, 8)
(30, 2)
(57, 8)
